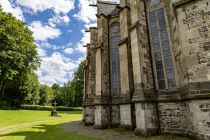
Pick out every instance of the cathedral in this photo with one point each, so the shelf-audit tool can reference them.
(148, 67)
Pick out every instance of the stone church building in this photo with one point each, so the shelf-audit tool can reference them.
(148, 67)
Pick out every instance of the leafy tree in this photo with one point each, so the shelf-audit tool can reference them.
(18, 54)
(24, 89)
(78, 84)
(45, 94)
(30, 87)
(71, 93)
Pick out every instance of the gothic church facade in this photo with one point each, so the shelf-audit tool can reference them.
(148, 67)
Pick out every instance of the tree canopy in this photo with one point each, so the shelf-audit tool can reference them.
(18, 61)
(18, 54)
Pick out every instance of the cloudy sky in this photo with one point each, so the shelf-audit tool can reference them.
(59, 30)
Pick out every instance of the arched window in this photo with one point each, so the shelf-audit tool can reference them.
(114, 57)
(161, 46)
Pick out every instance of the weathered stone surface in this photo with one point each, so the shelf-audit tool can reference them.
(89, 115)
(163, 58)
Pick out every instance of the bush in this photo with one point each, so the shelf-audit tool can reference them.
(49, 108)
(6, 105)
(63, 108)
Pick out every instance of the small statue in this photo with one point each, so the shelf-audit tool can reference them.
(54, 111)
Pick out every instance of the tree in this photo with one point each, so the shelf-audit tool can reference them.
(45, 94)
(71, 93)
(57, 96)
(24, 89)
(78, 83)
(18, 54)
(30, 88)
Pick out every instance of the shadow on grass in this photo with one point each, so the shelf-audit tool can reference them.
(45, 132)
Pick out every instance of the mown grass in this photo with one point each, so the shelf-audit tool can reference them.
(49, 127)
(45, 127)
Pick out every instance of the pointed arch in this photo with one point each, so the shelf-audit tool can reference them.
(114, 58)
(160, 46)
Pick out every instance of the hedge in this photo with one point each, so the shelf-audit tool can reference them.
(49, 108)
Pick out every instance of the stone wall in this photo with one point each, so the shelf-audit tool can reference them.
(200, 117)
(194, 26)
(173, 118)
(115, 116)
(190, 118)
(146, 122)
(183, 110)
(89, 115)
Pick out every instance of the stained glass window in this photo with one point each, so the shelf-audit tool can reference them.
(115, 63)
(161, 47)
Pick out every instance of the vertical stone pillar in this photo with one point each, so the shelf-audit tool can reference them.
(89, 86)
(90, 74)
(142, 70)
(102, 98)
(125, 66)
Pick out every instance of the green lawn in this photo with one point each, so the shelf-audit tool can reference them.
(37, 125)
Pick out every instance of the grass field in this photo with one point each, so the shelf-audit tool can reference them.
(37, 125)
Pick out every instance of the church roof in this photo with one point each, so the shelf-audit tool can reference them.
(107, 8)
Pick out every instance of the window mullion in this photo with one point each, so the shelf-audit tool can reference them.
(161, 48)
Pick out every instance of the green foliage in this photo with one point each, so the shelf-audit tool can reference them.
(30, 88)
(63, 108)
(18, 58)
(49, 108)
(71, 94)
(36, 107)
(22, 90)
(45, 94)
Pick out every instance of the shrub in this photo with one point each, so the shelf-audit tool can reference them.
(49, 108)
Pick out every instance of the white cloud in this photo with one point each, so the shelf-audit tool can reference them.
(58, 6)
(117, 1)
(41, 52)
(15, 10)
(56, 69)
(58, 19)
(87, 26)
(85, 39)
(69, 51)
(43, 32)
(86, 13)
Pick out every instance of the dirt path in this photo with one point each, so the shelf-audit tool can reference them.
(77, 127)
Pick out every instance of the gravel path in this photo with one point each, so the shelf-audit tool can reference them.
(79, 128)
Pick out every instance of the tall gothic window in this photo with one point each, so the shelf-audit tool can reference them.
(115, 63)
(161, 46)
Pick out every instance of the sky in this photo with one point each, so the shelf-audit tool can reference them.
(58, 27)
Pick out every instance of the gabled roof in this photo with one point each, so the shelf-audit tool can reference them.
(107, 8)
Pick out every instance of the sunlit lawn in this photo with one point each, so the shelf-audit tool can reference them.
(37, 125)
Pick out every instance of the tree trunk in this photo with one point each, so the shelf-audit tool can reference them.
(1, 88)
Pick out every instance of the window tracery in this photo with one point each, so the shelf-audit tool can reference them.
(161, 46)
(115, 62)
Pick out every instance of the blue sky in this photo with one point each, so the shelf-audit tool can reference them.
(59, 30)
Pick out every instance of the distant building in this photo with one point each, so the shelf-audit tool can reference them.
(148, 67)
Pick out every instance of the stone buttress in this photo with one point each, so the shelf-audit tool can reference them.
(148, 67)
